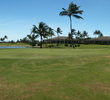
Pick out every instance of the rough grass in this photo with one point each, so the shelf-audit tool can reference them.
(55, 74)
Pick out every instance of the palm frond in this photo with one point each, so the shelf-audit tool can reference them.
(34, 29)
(77, 16)
(64, 9)
(62, 13)
(79, 12)
(59, 30)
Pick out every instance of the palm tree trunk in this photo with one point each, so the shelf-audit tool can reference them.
(41, 42)
(71, 31)
(58, 38)
(70, 24)
(70, 28)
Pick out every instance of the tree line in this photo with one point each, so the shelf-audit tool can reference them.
(43, 31)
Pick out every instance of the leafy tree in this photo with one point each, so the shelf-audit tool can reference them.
(73, 10)
(41, 30)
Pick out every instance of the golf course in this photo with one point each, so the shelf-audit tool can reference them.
(55, 74)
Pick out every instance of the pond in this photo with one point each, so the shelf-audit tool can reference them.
(12, 47)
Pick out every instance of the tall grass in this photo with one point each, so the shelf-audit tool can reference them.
(57, 74)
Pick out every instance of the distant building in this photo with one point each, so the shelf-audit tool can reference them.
(61, 39)
(99, 40)
(66, 40)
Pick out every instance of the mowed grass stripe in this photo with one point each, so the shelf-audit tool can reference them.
(56, 74)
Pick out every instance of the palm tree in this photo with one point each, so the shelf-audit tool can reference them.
(41, 31)
(101, 35)
(73, 10)
(32, 38)
(78, 34)
(85, 34)
(73, 32)
(59, 31)
(50, 33)
(5, 37)
(2, 39)
(70, 35)
(98, 32)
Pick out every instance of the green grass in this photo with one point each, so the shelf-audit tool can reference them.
(55, 74)
(12, 44)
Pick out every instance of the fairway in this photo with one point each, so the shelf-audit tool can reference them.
(55, 74)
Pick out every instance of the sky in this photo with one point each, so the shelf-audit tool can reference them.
(18, 16)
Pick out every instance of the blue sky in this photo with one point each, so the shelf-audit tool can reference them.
(18, 16)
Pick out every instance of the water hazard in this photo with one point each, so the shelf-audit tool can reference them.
(3, 47)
